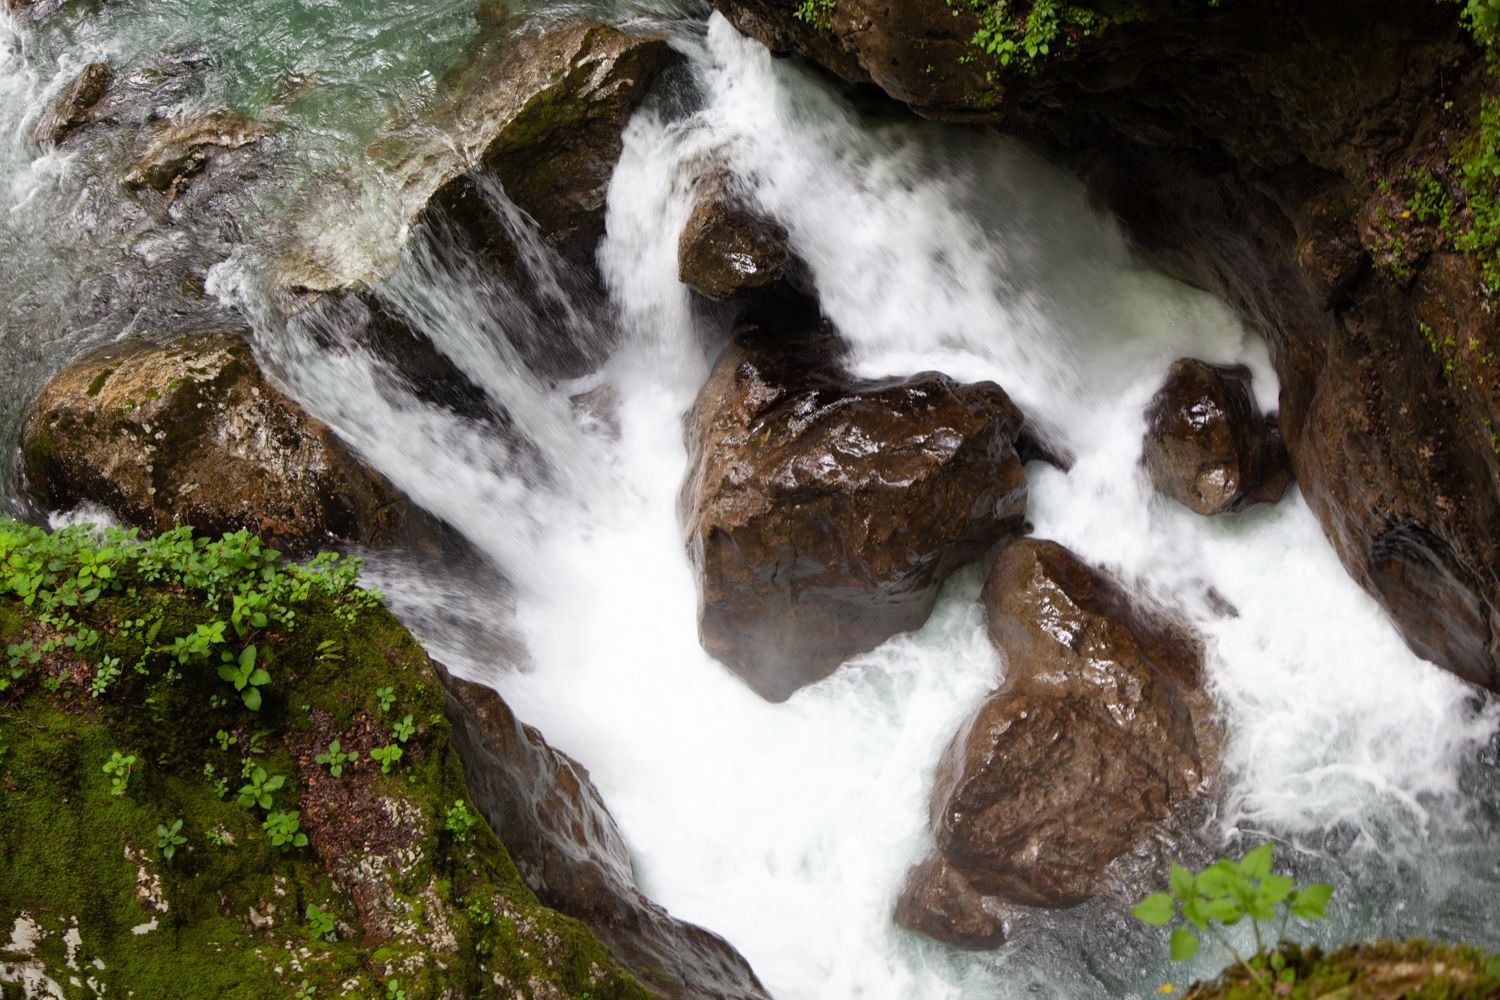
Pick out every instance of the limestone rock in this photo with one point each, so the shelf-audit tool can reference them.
(823, 512)
(1206, 445)
(1099, 736)
(193, 433)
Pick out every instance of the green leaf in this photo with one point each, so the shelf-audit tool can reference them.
(1275, 888)
(1155, 910)
(247, 658)
(1192, 912)
(1224, 910)
(251, 695)
(275, 782)
(228, 673)
(1289, 976)
(1184, 944)
(260, 677)
(1181, 880)
(1214, 881)
(1257, 863)
(1278, 961)
(1309, 903)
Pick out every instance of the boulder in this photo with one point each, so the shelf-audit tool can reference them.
(1097, 740)
(74, 107)
(193, 433)
(728, 249)
(542, 108)
(553, 821)
(1206, 445)
(824, 512)
(174, 151)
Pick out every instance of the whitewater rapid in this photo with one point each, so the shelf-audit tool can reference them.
(789, 828)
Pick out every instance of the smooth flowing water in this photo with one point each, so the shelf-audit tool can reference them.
(787, 828)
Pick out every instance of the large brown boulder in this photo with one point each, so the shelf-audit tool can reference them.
(823, 512)
(1207, 446)
(193, 433)
(553, 821)
(1098, 738)
(728, 249)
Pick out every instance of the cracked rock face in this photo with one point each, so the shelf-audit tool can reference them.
(823, 513)
(192, 433)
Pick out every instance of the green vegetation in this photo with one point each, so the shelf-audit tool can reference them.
(1224, 894)
(818, 13)
(1415, 970)
(214, 902)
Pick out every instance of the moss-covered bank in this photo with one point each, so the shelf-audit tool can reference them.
(127, 651)
(1385, 971)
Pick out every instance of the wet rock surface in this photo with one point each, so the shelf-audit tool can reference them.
(541, 107)
(1084, 757)
(1207, 446)
(823, 513)
(728, 249)
(553, 821)
(172, 152)
(75, 106)
(192, 432)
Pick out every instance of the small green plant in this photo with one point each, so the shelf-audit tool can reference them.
(105, 674)
(224, 740)
(386, 697)
(335, 759)
(818, 13)
(393, 990)
(404, 730)
(217, 837)
(386, 757)
(221, 787)
(169, 838)
(257, 790)
(285, 829)
(319, 922)
(119, 768)
(460, 820)
(246, 677)
(330, 651)
(1225, 893)
(304, 991)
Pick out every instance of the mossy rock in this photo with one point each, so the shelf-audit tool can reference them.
(421, 892)
(1415, 970)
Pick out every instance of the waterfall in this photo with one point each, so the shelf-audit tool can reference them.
(789, 828)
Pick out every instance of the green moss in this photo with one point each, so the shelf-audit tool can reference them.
(226, 916)
(1415, 970)
(97, 385)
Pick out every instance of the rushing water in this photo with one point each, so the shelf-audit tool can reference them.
(787, 828)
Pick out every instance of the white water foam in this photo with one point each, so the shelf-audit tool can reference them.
(789, 828)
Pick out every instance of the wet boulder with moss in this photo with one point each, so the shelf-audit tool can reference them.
(193, 432)
(228, 776)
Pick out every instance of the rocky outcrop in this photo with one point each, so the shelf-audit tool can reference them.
(74, 107)
(193, 433)
(1207, 447)
(728, 249)
(1274, 152)
(823, 513)
(552, 820)
(1099, 736)
(173, 152)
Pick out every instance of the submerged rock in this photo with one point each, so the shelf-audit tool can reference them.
(1099, 736)
(824, 512)
(728, 249)
(553, 821)
(174, 151)
(74, 107)
(193, 433)
(1206, 445)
